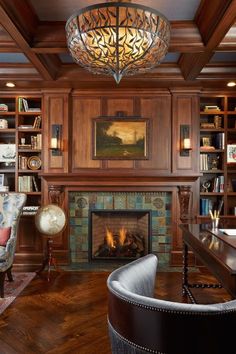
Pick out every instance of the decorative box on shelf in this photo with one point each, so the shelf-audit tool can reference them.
(3, 124)
(3, 107)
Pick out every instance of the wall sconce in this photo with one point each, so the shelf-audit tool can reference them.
(56, 140)
(185, 141)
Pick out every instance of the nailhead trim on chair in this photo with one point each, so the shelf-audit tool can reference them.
(133, 344)
(171, 311)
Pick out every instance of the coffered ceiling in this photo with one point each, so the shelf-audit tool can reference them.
(33, 49)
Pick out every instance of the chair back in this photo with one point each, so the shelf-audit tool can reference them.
(11, 206)
(139, 323)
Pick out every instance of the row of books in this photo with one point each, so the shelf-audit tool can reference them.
(27, 184)
(204, 162)
(36, 124)
(36, 143)
(209, 162)
(206, 205)
(218, 184)
(23, 106)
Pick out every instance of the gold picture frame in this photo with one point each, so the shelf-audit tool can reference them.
(116, 138)
(34, 163)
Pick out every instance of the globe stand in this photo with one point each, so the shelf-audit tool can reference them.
(49, 260)
(50, 221)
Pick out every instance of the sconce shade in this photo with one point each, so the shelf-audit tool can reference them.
(118, 38)
(187, 143)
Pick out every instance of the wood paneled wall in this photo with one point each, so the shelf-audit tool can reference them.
(165, 110)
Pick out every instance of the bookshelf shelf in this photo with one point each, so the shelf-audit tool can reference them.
(29, 171)
(217, 130)
(212, 171)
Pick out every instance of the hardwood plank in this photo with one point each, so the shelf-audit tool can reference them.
(69, 314)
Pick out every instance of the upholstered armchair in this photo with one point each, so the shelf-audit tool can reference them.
(140, 324)
(11, 205)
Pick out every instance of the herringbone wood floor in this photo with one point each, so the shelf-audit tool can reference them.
(68, 314)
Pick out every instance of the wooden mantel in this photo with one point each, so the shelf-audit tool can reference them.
(74, 179)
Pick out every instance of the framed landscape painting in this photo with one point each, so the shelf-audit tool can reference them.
(120, 138)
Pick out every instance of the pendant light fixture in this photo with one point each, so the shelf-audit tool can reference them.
(118, 38)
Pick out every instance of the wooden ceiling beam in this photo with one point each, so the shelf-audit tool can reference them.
(214, 19)
(9, 22)
(51, 38)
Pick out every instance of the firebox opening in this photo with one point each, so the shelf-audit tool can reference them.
(119, 234)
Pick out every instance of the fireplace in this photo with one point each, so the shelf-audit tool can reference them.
(119, 234)
(158, 203)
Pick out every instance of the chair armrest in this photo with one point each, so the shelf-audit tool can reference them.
(10, 244)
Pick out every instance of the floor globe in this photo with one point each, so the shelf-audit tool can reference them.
(50, 220)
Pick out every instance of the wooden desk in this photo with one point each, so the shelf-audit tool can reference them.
(216, 251)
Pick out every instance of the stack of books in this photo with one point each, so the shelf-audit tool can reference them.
(30, 210)
(4, 188)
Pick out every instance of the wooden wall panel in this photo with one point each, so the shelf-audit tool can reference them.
(56, 111)
(84, 110)
(185, 111)
(158, 110)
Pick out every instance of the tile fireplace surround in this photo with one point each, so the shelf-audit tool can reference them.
(81, 203)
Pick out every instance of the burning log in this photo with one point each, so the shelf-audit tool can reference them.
(123, 244)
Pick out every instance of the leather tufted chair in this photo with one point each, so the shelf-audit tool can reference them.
(139, 323)
(11, 205)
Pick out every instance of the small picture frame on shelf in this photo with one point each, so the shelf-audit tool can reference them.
(206, 141)
(231, 153)
(1, 180)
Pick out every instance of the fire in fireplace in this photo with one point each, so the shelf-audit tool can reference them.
(119, 234)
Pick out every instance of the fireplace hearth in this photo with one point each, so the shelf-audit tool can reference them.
(119, 234)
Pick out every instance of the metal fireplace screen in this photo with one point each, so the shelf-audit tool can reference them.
(119, 234)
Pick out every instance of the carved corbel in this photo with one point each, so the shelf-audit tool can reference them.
(185, 198)
(55, 194)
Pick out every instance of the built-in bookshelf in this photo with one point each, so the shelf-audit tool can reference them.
(218, 154)
(21, 145)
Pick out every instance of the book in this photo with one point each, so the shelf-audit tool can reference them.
(211, 108)
(35, 184)
(26, 126)
(37, 122)
(25, 104)
(207, 125)
(34, 109)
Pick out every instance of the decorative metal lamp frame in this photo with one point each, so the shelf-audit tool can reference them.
(118, 38)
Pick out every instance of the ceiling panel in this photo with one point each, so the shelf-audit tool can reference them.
(171, 58)
(13, 58)
(223, 56)
(61, 10)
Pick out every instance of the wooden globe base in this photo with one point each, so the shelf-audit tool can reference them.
(49, 260)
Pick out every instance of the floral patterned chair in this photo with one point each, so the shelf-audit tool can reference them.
(11, 205)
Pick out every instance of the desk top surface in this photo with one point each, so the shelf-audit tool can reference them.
(220, 246)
